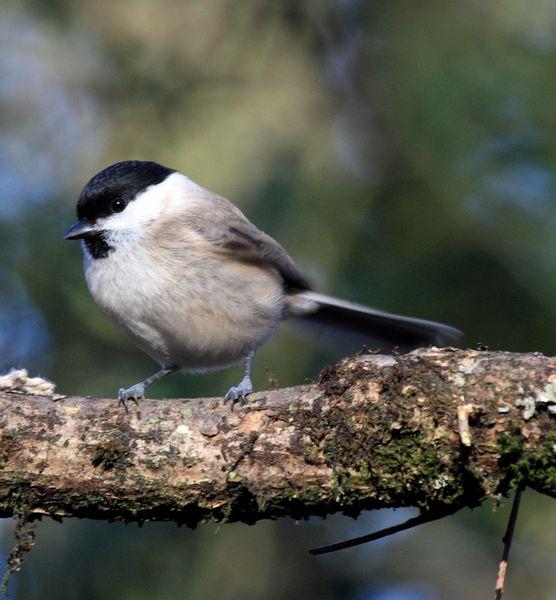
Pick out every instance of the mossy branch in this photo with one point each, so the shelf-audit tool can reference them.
(437, 429)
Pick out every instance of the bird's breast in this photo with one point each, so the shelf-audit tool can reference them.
(193, 308)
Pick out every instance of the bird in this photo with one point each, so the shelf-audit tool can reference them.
(197, 286)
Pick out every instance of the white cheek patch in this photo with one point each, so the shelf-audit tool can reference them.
(147, 207)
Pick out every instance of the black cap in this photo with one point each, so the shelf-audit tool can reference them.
(123, 180)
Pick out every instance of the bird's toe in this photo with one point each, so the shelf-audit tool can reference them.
(239, 392)
(133, 394)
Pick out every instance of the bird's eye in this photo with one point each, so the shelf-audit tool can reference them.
(118, 204)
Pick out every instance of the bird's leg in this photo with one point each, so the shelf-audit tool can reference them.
(137, 392)
(245, 386)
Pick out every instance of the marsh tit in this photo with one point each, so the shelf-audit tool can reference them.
(196, 285)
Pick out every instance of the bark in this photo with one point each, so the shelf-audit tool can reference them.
(438, 429)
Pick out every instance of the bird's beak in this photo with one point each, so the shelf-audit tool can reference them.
(79, 230)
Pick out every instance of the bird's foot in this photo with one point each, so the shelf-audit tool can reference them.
(239, 392)
(133, 394)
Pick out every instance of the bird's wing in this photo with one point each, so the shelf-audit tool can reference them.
(230, 232)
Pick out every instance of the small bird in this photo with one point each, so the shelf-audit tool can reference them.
(196, 285)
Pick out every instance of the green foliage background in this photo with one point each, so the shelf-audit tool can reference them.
(404, 152)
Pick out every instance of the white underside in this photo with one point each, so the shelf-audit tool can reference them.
(195, 311)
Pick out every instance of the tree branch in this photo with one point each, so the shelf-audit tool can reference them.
(375, 431)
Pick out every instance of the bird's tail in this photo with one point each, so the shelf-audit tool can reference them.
(374, 328)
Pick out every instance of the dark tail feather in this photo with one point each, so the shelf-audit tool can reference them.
(363, 325)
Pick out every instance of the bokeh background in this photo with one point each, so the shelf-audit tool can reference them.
(404, 152)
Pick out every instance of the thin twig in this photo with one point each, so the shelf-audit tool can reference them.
(377, 535)
(507, 541)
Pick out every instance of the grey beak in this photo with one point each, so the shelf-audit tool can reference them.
(79, 231)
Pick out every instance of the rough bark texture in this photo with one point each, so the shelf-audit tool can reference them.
(435, 428)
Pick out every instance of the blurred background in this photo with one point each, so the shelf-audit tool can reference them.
(404, 153)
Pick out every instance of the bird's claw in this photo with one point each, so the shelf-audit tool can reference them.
(133, 394)
(239, 392)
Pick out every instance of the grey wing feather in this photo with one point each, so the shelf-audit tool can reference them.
(226, 227)
(228, 231)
